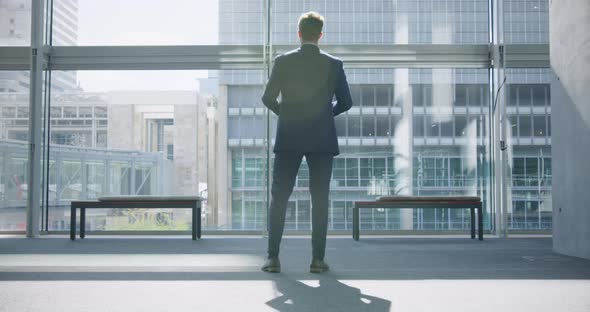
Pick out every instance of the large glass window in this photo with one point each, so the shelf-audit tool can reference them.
(427, 145)
(160, 22)
(14, 109)
(529, 114)
(386, 22)
(15, 22)
(529, 111)
(526, 21)
(156, 133)
(382, 126)
(421, 131)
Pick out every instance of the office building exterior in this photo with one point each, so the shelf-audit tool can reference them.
(119, 142)
(420, 131)
(15, 30)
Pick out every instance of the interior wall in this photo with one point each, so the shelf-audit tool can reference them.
(570, 119)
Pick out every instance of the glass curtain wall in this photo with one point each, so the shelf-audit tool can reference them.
(414, 132)
(528, 111)
(420, 131)
(156, 132)
(14, 124)
(15, 31)
(15, 23)
(529, 142)
(414, 129)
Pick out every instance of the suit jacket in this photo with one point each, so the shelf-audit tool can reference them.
(307, 80)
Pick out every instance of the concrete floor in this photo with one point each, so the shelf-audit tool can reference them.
(222, 274)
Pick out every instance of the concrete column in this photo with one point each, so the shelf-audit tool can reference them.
(212, 162)
(186, 154)
(107, 178)
(404, 137)
(570, 118)
(121, 127)
(35, 120)
(5, 167)
(403, 145)
(94, 123)
(222, 159)
(84, 178)
(132, 186)
(59, 165)
(499, 176)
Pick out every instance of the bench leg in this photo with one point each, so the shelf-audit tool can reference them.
(472, 216)
(355, 223)
(480, 222)
(82, 222)
(72, 222)
(194, 221)
(199, 207)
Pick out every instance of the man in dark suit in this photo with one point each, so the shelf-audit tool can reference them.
(307, 80)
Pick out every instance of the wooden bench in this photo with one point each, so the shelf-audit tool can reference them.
(150, 201)
(400, 202)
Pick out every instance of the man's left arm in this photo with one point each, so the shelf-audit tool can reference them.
(272, 90)
(342, 92)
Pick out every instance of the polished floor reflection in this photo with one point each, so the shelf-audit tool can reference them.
(221, 274)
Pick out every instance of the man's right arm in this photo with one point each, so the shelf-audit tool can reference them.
(272, 90)
(343, 98)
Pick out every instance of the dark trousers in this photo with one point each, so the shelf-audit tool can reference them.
(284, 173)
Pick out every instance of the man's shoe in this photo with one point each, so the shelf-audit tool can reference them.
(318, 266)
(271, 265)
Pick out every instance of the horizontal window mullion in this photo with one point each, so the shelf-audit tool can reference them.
(15, 58)
(526, 55)
(408, 55)
(156, 57)
(251, 56)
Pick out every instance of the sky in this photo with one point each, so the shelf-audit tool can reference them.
(145, 22)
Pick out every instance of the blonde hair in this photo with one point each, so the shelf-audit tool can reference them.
(310, 25)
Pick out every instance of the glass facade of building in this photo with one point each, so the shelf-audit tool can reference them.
(415, 130)
(444, 111)
(417, 137)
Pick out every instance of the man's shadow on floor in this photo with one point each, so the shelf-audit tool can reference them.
(331, 295)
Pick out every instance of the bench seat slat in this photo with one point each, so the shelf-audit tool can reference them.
(429, 198)
(134, 204)
(417, 204)
(473, 203)
(153, 201)
(121, 198)
(414, 206)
